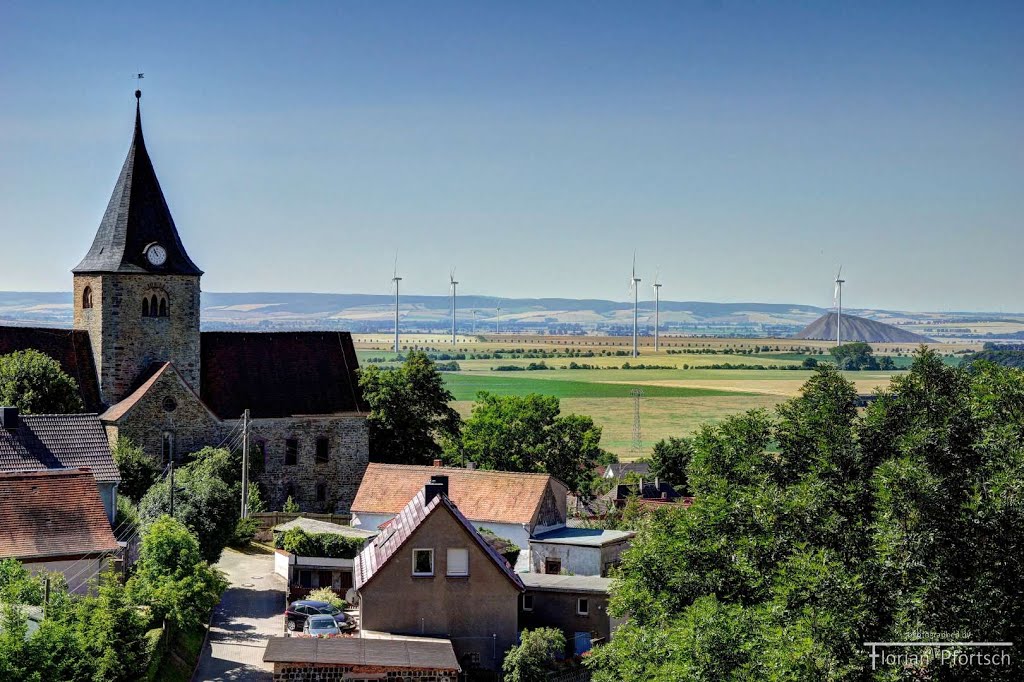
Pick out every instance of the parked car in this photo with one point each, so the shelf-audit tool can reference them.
(321, 626)
(298, 611)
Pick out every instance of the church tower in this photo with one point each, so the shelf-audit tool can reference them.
(137, 291)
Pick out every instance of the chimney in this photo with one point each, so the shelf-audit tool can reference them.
(437, 463)
(438, 486)
(664, 496)
(9, 418)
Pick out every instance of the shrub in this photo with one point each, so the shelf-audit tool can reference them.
(330, 545)
(328, 595)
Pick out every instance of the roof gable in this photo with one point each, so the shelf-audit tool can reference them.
(58, 441)
(161, 372)
(482, 495)
(376, 555)
(279, 374)
(69, 347)
(52, 514)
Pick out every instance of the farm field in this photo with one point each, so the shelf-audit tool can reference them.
(680, 395)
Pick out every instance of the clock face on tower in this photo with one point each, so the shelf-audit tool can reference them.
(156, 254)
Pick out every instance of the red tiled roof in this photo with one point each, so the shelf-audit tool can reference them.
(52, 514)
(279, 374)
(58, 441)
(69, 347)
(378, 552)
(496, 496)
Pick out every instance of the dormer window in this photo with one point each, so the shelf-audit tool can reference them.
(155, 305)
(87, 297)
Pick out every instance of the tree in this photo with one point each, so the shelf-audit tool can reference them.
(171, 576)
(138, 473)
(35, 384)
(854, 356)
(206, 499)
(526, 433)
(291, 506)
(409, 411)
(112, 632)
(815, 529)
(535, 655)
(669, 460)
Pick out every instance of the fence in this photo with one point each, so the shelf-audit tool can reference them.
(268, 520)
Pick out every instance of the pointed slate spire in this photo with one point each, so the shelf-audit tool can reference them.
(136, 219)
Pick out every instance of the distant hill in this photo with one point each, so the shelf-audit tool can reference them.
(858, 329)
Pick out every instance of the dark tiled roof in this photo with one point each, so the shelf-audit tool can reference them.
(482, 495)
(279, 374)
(52, 514)
(55, 441)
(69, 347)
(378, 552)
(620, 469)
(408, 653)
(137, 216)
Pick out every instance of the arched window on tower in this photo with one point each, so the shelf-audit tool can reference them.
(155, 305)
(87, 297)
(145, 307)
(163, 307)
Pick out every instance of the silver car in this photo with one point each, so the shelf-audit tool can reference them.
(320, 626)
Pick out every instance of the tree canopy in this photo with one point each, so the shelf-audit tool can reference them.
(669, 460)
(409, 411)
(815, 529)
(855, 355)
(35, 384)
(527, 433)
(138, 472)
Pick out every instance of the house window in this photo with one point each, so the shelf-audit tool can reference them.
(167, 446)
(527, 602)
(582, 607)
(423, 562)
(291, 451)
(321, 492)
(87, 297)
(458, 561)
(306, 579)
(322, 450)
(553, 566)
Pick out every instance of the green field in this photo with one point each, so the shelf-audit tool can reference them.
(466, 386)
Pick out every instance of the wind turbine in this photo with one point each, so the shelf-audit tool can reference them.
(837, 300)
(633, 282)
(497, 319)
(657, 308)
(395, 279)
(451, 278)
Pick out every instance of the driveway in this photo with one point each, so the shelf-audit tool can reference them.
(249, 612)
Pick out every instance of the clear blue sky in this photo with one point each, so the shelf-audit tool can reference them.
(746, 148)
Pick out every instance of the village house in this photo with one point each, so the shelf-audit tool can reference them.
(39, 442)
(431, 573)
(142, 362)
(350, 659)
(307, 573)
(578, 551)
(512, 505)
(576, 605)
(54, 520)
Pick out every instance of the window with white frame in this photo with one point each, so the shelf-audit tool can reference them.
(423, 562)
(527, 602)
(582, 607)
(458, 561)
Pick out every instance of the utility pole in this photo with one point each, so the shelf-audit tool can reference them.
(245, 463)
(171, 476)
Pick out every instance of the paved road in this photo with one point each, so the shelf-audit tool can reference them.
(249, 612)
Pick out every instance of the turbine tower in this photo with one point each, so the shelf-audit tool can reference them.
(395, 279)
(497, 319)
(451, 278)
(837, 300)
(657, 309)
(633, 284)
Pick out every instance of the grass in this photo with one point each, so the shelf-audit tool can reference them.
(466, 386)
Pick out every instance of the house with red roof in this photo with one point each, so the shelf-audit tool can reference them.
(55, 521)
(513, 505)
(430, 573)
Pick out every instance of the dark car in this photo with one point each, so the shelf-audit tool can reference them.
(297, 613)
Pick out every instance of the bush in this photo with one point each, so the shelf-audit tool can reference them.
(535, 656)
(328, 595)
(502, 546)
(138, 473)
(290, 506)
(330, 545)
(245, 530)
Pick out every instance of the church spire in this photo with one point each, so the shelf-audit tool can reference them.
(137, 233)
